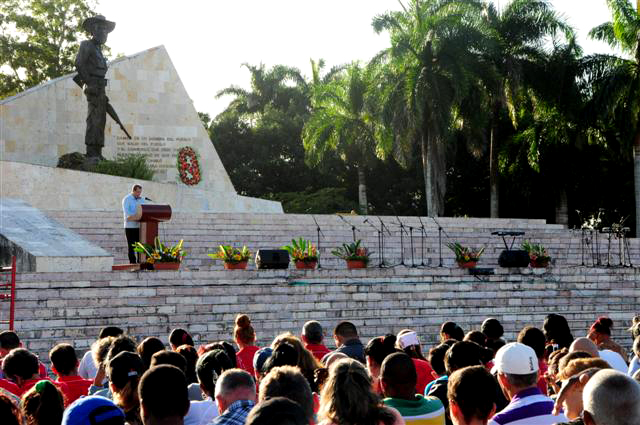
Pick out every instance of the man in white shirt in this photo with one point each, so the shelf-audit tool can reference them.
(131, 226)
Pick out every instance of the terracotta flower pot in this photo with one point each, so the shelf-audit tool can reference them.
(467, 264)
(309, 265)
(166, 266)
(356, 264)
(236, 266)
(538, 264)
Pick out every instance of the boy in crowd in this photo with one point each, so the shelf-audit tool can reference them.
(21, 366)
(65, 366)
(10, 340)
(471, 393)
(164, 398)
(312, 337)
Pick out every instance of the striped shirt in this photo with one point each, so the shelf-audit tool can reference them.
(528, 407)
(421, 411)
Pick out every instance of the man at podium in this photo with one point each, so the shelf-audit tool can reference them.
(131, 225)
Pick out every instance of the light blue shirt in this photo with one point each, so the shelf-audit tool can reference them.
(129, 206)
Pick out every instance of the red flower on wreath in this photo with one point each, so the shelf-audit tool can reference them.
(188, 166)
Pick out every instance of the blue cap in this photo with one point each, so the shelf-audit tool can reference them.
(260, 357)
(93, 410)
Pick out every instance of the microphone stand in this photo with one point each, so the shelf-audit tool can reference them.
(318, 233)
(353, 228)
(380, 242)
(382, 229)
(422, 238)
(401, 241)
(439, 240)
(413, 263)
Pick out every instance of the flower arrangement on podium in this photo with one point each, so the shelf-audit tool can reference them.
(233, 258)
(466, 257)
(355, 255)
(161, 256)
(303, 253)
(538, 255)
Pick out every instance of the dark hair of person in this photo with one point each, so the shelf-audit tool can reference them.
(436, 358)
(534, 338)
(277, 411)
(413, 351)
(120, 344)
(63, 358)
(399, 374)
(243, 331)
(495, 344)
(147, 348)
(209, 367)
(312, 330)
(163, 392)
(477, 337)
(564, 360)
(452, 330)
(9, 340)
(110, 331)
(191, 356)
(603, 325)
(284, 354)
(554, 360)
(20, 362)
(169, 357)
(125, 371)
(347, 397)
(557, 329)
(462, 354)
(462, 389)
(288, 381)
(179, 337)
(346, 330)
(220, 345)
(380, 347)
(9, 413)
(492, 328)
(43, 404)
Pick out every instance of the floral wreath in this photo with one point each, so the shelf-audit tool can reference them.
(188, 166)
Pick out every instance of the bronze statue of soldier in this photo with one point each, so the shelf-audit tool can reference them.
(92, 69)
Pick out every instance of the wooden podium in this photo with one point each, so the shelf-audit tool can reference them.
(149, 215)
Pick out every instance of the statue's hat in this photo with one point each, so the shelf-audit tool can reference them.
(90, 22)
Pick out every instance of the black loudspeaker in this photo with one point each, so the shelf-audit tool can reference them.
(513, 258)
(272, 259)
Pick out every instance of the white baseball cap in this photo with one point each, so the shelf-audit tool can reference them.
(516, 358)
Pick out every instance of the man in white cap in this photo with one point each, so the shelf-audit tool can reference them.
(517, 371)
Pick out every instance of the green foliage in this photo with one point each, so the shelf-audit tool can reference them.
(39, 40)
(160, 252)
(327, 200)
(352, 251)
(465, 254)
(301, 250)
(537, 252)
(229, 254)
(133, 166)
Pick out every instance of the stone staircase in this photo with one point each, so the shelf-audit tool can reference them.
(203, 232)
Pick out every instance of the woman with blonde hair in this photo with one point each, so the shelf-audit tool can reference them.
(306, 360)
(245, 337)
(125, 371)
(347, 398)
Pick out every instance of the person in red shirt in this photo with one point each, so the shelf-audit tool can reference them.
(21, 366)
(312, 337)
(409, 343)
(65, 365)
(10, 340)
(245, 337)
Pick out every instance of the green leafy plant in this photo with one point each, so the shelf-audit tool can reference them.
(352, 251)
(229, 254)
(537, 253)
(161, 253)
(301, 250)
(133, 166)
(465, 254)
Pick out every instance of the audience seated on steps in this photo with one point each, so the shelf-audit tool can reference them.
(164, 397)
(10, 340)
(409, 342)
(236, 396)
(125, 371)
(64, 364)
(375, 352)
(312, 336)
(88, 368)
(287, 381)
(345, 335)
(471, 398)
(245, 337)
(43, 404)
(22, 367)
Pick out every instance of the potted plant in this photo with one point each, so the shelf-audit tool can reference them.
(303, 253)
(234, 258)
(161, 256)
(538, 255)
(466, 257)
(356, 256)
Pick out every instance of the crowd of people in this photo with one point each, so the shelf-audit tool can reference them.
(544, 377)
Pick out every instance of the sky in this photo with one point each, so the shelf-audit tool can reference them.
(209, 40)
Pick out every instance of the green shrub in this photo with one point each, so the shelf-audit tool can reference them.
(133, 166)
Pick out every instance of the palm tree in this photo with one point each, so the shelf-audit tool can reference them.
(616, 80)
(341, 122)
(519, 32)
(431, 67)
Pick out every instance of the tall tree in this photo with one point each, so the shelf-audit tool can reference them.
(39, 40)
(616, 79)
(431, 68)
(519, 32)
(341, 121)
